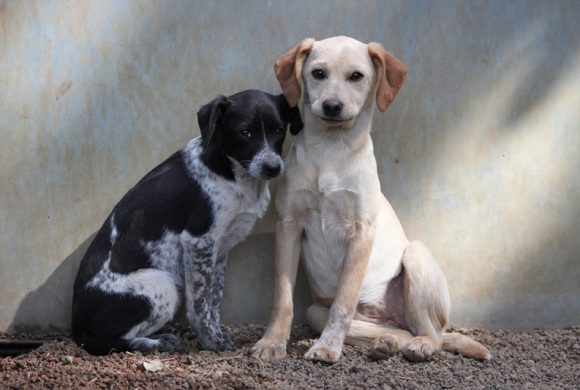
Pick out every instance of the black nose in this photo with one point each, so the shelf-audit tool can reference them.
(271, 170)
(332, 107)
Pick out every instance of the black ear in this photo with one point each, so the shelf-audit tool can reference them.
(210, 115)
(295, 120)
(291, 115)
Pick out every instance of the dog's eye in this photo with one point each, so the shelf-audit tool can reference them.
(279, 130)
(318, 74)
(355, 76)
(246, 133)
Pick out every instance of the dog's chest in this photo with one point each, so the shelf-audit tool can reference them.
(329, 206)
(236, 210)
(327, 228)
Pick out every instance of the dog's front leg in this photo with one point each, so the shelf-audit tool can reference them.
(217, 292)
(199, 260)
(329, 347)
(272, 346)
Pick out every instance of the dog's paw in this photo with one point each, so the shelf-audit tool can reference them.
(384, 347)
(322, 353)
(268, 350)
(167, 342)
(418, 349)
(227, 344)
(226, 335)
(216, 344)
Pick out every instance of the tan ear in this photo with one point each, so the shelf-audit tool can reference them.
(391, 74)
(288, 70)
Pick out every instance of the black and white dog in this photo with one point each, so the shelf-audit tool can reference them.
(172, 232)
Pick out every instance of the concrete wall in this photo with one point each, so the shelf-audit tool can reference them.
(479, 154)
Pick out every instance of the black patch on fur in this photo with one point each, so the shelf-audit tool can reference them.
(100, 320)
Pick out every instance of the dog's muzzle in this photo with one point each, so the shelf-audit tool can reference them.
(266, 165)
(271, 170)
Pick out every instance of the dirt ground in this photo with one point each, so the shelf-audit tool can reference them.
(539, 359)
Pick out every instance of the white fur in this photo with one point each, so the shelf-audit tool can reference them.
(157, 286)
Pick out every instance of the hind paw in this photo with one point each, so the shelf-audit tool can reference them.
(384, 347)
(167, 342)
(419, 349)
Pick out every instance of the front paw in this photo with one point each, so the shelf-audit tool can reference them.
(323, 353)
(226, 335)
(269, 350)
(216, 343)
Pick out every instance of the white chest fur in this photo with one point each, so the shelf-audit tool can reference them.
(242, 210)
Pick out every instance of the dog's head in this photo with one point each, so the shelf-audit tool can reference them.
(248, 128)
(339, 75)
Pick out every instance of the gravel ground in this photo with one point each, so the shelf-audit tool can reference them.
(536, 359)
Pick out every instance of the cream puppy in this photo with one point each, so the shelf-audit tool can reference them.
(331, 212)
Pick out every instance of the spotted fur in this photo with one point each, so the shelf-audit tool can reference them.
(168, 239)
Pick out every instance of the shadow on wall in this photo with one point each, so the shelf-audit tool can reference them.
(52, 300)
(249, 283)
(247, 292)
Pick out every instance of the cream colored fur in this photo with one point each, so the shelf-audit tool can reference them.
(332, 212)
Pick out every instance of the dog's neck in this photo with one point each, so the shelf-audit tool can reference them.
(215, 159)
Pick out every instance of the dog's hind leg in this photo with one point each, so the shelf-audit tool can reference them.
(426, 309)
(159, 290)
(383, 341)
(425, 302)
(425, 312)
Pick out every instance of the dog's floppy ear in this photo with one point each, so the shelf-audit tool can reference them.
(391, 74)
(291, 115)
(288, 70)
(295, 120)
(210, 115)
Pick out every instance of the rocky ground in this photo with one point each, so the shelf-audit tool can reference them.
(537, 359)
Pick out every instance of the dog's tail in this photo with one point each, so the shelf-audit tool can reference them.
(465, 346)
(96, 345)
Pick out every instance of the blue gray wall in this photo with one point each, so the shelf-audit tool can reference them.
(479, 154)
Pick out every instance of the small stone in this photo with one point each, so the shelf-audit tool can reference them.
(67, 359)
(153, 365)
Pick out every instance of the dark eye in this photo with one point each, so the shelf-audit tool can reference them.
(318, 74)
(246, 133)
(355, 76)
(279, 131)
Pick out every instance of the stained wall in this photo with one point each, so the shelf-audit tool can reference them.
(479, 154)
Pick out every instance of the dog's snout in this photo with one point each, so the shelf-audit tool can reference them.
(332, 107)
(271, 170)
